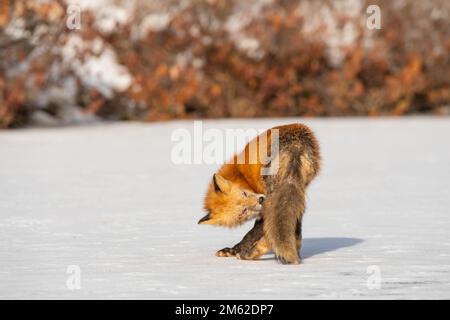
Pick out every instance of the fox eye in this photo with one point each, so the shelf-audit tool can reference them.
(244, 193)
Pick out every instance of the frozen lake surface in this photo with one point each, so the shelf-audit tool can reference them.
(108, 200)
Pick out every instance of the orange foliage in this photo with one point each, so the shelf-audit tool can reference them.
(190, 69)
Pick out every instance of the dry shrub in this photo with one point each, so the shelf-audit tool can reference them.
(207, 58)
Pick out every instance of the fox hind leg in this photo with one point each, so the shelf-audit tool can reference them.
(282, 214)
(298, 234)
(286, 253)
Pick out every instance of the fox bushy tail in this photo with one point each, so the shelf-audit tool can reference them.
(285, 204)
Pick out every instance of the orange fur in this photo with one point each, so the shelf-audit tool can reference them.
(224, 207)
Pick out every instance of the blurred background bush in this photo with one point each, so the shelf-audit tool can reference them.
(157, 60)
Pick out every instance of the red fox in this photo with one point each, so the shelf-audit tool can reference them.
(239, 192)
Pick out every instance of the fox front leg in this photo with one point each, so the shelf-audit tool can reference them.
(246, 244)
(253, 246)
(226, 252)
(260, 248)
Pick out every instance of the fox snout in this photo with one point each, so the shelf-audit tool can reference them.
(259, 201)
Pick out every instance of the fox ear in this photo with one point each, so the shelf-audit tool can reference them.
(205, 218)
(221, 184)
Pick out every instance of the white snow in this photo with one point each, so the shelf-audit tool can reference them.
(95, 63)
(155, 22)
(108, 199)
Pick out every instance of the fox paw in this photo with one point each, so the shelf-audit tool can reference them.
(289, 259)
(226, 252)
(241, 257)
(245, 255)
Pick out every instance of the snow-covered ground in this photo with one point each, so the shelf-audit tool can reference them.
(108, 200)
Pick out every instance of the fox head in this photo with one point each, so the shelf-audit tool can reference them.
(229, 204)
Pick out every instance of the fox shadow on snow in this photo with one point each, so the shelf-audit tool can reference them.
(315, 246)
